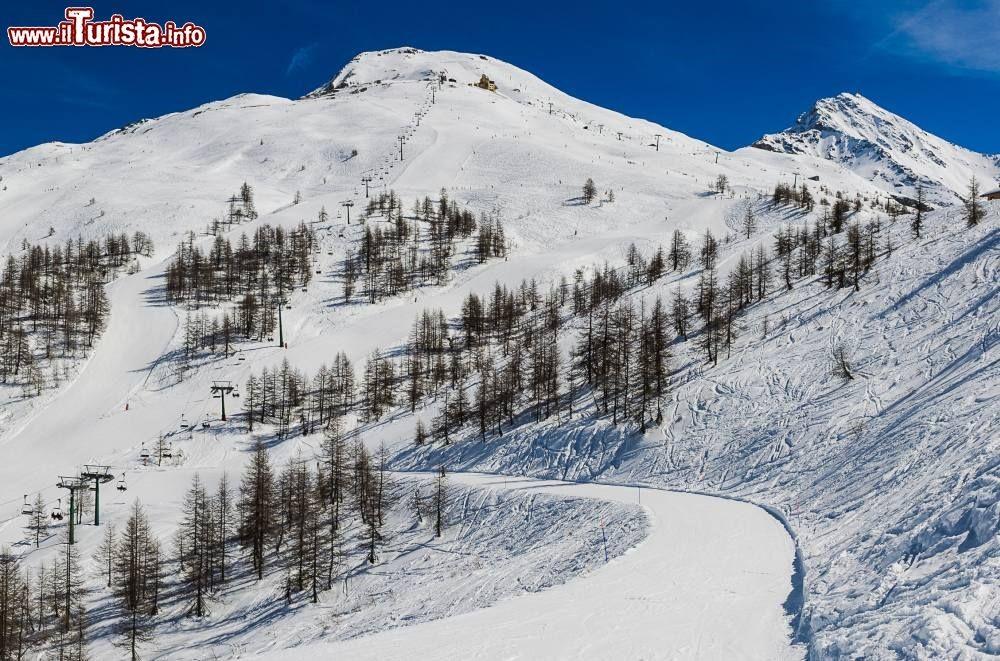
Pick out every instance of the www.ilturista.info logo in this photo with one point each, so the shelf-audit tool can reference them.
(79, 29)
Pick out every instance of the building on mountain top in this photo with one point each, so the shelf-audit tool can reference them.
(485, 83)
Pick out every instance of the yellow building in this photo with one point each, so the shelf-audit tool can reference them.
(485, 83)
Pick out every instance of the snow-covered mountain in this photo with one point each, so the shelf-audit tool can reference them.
(888, 481)
(879, 145)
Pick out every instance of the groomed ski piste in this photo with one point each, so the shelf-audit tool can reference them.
(673, 543)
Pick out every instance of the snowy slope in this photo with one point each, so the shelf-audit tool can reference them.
(666, 599)
(891, 481)
(883, 147)
(765, 425)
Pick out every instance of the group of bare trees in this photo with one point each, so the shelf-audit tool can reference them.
(501, 359)
(719, 304)
(416, 249)
(240, 207)
(44, 611)
(266, 266)
(799, 196)
(53, 303)
(299, 519)
(286, 395)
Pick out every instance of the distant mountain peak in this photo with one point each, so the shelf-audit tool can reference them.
(889, 150)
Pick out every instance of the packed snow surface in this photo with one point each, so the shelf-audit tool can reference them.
(686, 592)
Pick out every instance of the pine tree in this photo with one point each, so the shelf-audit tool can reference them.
(973, 208)
(38, 524)
(680, 313)
(106, 552)
(748, 220)
(223, 520)
(18, 629)
(589, 191)
(918, 216)
(137, 571)
(440, 501)
(680, 252)
(193, 545)
(257, 507)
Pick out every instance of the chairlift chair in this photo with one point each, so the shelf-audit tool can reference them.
(167, 451)
(144, 453)
(121, 484)
(57, 514)
(26, 508)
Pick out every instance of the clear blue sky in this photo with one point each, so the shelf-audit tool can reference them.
(722, 71)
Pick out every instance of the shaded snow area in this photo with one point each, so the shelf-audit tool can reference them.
(876, 534)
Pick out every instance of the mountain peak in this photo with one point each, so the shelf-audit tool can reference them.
(408, 64)
(887, 149)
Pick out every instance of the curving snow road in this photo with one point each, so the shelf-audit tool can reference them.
(708, 583)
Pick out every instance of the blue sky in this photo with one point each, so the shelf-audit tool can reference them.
(725, 72)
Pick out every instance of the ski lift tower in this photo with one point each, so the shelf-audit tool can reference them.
(347, 204)
(100, 475)
(221, 389)
(73, 484)
(281, 303)
(367, 179)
